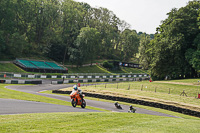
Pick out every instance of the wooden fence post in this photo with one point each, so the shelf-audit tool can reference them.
(183, 93)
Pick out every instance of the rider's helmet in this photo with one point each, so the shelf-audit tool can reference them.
(75, 87)
(131, 107)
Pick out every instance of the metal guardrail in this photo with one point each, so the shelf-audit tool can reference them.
(72, 76)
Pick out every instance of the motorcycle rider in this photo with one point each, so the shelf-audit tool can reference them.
(75, 88)
(132, 109)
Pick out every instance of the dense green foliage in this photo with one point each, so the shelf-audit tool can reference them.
(108, 65)
(63, 30)
(175, 50)
(86, 46)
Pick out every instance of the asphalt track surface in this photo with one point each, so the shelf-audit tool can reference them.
(8, 106)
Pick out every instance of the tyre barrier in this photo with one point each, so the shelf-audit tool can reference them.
(21, 81)
(140, 102)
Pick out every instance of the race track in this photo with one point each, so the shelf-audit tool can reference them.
(18, 106)
(12, 106)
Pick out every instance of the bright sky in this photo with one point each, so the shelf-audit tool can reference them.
(142, 15)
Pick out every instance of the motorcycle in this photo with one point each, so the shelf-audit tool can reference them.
(77, 100)
(118, 106)
(132, 110)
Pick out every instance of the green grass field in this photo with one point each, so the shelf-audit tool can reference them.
(86, 69)
(185, 81)
(12, 68)
(96, 123)
(9, 67)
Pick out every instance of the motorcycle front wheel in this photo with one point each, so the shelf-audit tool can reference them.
(83, 105)
(73, 102)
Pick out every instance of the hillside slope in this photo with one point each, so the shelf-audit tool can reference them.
(10, 67)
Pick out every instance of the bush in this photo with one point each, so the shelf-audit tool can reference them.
(108, 65)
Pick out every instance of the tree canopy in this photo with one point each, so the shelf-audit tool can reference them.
(63, 30)
(174, 52)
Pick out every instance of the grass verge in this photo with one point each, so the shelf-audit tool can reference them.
(183, 81)
(86, 69)
(10, 67)
(96, 122)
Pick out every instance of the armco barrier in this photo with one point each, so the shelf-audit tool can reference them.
(141, 102)
(79, 76)
(97, 80)
(21, 81)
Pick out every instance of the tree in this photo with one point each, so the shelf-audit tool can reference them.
(86, 46)
(51, 28)
(145, 51)
(193, 54)
(72, 22)
(7, 25)
(106, 22)
(130, 44)
(173, 39)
